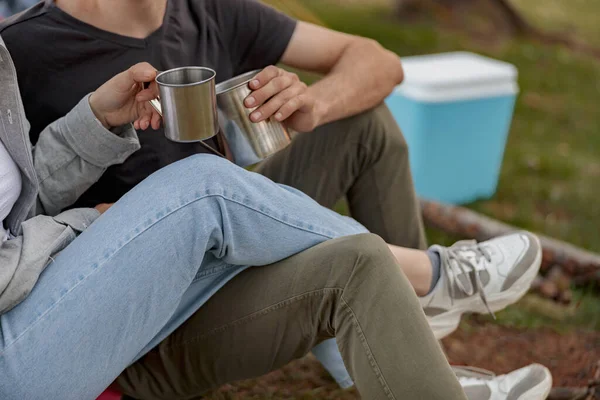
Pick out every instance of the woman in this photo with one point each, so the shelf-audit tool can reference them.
(113, 287)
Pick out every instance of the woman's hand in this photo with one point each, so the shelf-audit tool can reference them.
(123, 99)
(101, 208)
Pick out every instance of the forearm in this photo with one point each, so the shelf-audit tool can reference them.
(364, 75)
(73, 153)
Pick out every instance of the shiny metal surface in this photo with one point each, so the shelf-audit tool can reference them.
(249, 142)
(187, 103)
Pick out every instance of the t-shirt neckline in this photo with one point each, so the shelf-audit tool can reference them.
(129, 41)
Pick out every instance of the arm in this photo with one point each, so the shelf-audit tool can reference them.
(359, 74)
(73, 152)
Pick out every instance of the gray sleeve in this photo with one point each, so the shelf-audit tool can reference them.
(73, 153)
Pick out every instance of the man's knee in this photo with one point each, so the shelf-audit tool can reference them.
(369, 268)
(363, 243)
(378, 131)
(387, 132)
(367, 250)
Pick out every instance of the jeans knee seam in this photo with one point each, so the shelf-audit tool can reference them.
(256, 314)
(367, 348)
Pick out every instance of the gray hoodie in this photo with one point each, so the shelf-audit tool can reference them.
(71, 154)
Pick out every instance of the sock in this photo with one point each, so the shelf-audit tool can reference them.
(436, 268)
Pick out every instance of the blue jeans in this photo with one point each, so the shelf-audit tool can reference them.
(147, 265)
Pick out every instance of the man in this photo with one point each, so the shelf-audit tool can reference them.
(352, 146)
(363, 157)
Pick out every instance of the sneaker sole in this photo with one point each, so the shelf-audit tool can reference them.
(444, 324)
(541, 391)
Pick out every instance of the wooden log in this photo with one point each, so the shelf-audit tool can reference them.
(581, 265)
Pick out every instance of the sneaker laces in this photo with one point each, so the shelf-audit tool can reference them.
(468, 372)
(473, 376)
(456, 264)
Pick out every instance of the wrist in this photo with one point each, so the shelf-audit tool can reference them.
(99, 116)
(320, 112)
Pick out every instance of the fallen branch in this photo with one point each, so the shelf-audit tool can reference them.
(581, 265)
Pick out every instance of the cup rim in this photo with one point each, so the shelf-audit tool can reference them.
(236, 82)
(212, 71)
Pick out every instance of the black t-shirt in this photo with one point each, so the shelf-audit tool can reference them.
(59, 59)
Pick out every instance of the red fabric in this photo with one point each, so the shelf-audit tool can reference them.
(110, 395)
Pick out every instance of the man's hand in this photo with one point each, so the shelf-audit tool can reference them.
(123, 100)
(103, 207)
(280, 94)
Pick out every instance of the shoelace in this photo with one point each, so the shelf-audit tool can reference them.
(473, 376)
(467, 372)
(470, 376)
(456, 264)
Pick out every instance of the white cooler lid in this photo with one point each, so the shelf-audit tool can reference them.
(456, 76)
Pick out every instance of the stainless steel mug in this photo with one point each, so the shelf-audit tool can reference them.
(187, 103)
(248, 141)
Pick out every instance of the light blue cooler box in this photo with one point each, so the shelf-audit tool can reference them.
(455, 110)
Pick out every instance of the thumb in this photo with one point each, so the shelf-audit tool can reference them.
(139, 73)
(142, 72)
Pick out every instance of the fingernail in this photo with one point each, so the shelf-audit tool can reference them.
(250, 101)
(256, 116)
(278, 116)
(255, 83)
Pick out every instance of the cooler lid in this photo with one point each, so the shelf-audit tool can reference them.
(456, 76)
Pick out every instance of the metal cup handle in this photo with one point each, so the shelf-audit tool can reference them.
(155, 103)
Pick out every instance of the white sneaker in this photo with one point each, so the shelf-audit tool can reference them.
(481, 278)
(533, 382)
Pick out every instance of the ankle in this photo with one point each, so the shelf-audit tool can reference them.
(422, 282)
(436, 269)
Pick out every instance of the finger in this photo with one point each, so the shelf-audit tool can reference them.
(144, 122)
(142, 72)
(301, 103)
(136, 124)
(274, 104)
(276, 85)
(150, 93)
(146, 95)
(265, 76)
(144, 111)
(155, 120)
(125, 81)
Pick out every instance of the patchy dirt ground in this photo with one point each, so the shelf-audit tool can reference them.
(571, 357)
